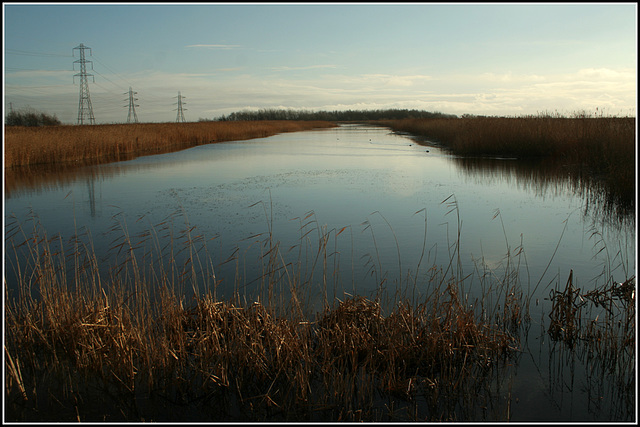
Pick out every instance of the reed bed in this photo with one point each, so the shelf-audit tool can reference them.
(26, 146)
(596, 149)
(152, 341)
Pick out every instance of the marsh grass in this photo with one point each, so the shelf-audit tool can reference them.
(596, 153)
(154, 338)
(151, 339)
(595, 330)
(29, 146)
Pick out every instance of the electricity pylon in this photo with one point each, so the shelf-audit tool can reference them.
(180, 116)
(84, 104)
(132, 106)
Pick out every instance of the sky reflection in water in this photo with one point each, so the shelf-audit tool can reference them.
(380, 189)
(377, 184)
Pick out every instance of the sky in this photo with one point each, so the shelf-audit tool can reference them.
(496, 59)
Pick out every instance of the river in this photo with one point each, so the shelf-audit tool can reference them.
(387, 207)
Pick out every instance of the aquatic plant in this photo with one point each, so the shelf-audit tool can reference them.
(596, 153)
(151, 338)
(153, 333)
(24, 146)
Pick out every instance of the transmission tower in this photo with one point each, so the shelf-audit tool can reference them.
(180, 116)
(84, 104)
(132, 106)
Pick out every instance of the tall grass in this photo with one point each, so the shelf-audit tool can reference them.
(153, 340)
(26, 146)
(594, 149)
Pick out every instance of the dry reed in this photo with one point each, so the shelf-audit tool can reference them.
(600, 150)
(25, 146)
(151, 340)
(75, 337)
(598, 329)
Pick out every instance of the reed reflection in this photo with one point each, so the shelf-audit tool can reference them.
(26, 180)
(593, 347)
(602, 200)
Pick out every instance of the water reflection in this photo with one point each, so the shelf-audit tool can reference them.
(545, 178)
(380, 208)
(342, 175)
(31, 180)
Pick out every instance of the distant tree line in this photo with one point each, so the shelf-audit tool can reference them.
(30, 117)
(347, 115)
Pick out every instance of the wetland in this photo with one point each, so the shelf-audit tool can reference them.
(345, 273)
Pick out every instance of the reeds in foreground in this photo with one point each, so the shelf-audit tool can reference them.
(136, 343)
(153, 341)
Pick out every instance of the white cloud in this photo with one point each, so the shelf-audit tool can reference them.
(606, 73)
(226, 70)
(226, 90)
(396, 80)
(509, 77)
(377, 81)
(215, 46)
(309, 67)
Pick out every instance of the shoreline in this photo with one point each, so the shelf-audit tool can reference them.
(71, 145)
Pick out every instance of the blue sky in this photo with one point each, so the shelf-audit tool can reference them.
(491, 59)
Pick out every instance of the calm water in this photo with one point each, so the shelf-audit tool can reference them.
(381, 190)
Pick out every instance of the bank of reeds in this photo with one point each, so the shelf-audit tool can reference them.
(28, 146)
(85, 346)
(596, 149)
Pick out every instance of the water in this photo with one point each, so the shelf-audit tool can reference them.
(378, 184)
(375, 193)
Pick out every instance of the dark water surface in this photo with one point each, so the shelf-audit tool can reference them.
(376, 194)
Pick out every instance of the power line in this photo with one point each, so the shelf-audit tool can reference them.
(33, 69)
(44, 94)
(132, 106)
(110, 69)
(180, 116)
(23, 87)
(109, 80)
(27, 53)
(84, 103)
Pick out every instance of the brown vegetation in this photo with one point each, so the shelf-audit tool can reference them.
(82, 346)
(131, 346)
(599, 150)
(598, 328)
(26, 146)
